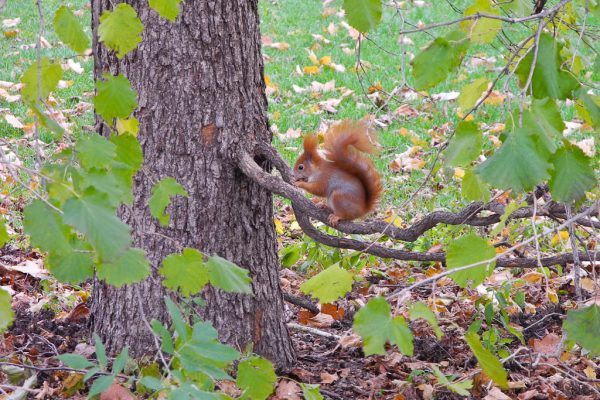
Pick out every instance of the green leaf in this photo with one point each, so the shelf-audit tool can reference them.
(467, 250)
(516, 8)
(508, 210)
(178, 323)
(47, 122)
(471, 93)
(3, 234)
(89, 215)
(546, 117)
(72, 267)
(118, 191)
(488, 362)
(548, 79)
(6, 313)
(256, 377)
(100, 385)
(168, 9)
(363, 15)
(445, 53)
(94, 151)
(588, 105)
(130, 125)
(165, 336)
(420, 310)
(69, 30)
(186, 272)
(120, 30)
(482, 30)
(457, 387)
(227, 276)
(473, 188)
(161, 196)
(519, 164)
(47, 232)
(131, 267)
(329, 284)
(114, 97)
(75, 361)
(582, 326)
(50, 75)
(311, 392)
(120, 361)
(100, 352)
(290, 255)
(375, 325)
(465, 146)
(572, 175)
(128, 151)
(151, 383)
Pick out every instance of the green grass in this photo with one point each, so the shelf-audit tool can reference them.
(295, 23)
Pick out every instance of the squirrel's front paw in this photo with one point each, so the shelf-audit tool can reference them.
(333, 220)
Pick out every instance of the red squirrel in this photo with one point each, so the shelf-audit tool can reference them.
(345, 176)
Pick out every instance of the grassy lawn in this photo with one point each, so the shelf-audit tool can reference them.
(303, 30)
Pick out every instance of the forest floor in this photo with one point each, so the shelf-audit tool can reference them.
(311, 81)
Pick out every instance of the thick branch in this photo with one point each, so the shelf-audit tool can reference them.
(304, 209)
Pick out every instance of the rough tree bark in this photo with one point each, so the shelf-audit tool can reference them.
(201, 101)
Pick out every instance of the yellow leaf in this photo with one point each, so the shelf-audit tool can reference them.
(495, 98)
(459, 173)
(278, 227)
(311, 70)
(564, 236)
(552, 296)
(394, 220)
(375, 88)
(326, 60)
(276, 115)
(590, 372)
(10, 34)
(130, 125)
(294, 226)
(404, 131)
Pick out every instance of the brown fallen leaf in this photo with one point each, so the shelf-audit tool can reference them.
(327, 378)
(288, 390)
(117, 392)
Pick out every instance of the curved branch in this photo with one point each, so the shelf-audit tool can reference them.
(304, 209)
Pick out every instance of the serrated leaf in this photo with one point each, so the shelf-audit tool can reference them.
(100, 352)
(588, 106)
(90, 215)
(114, 97)
(94, 151)
(185, 272)
(421, 311)
(548, 79)
(572, 175)
(68, 29)
(3, 234)
(473, 188)
(161, 196)
(168, 9)
(50, 75)
(311, 392)
(519, 164)
(75, 361)
(481, 30)
(256, 377)
(227, 276)
(165, 336)
(128, 151)
(582, 326)
(457, 387)
(131, 267)
(517, 8)
(117, 191)
(363, 15)
(130, 125)
(471, 93)
(45, 229)
(6, 313)
(465, 146)
(329, 284)
(376, 326)
(72, 267)
(120, 29)
(488, 362)
(546, 117)
(467, 250)
(120, 361)
(445, 53)
(100, 385)
(178, 324)
(151, 383)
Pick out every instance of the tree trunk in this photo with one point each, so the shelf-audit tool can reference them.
(201, 99)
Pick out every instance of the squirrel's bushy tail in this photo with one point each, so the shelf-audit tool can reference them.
(344, 143)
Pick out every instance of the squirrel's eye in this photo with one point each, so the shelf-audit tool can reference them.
(300, 167)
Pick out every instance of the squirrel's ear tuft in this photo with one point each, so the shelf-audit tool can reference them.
(310, 143)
